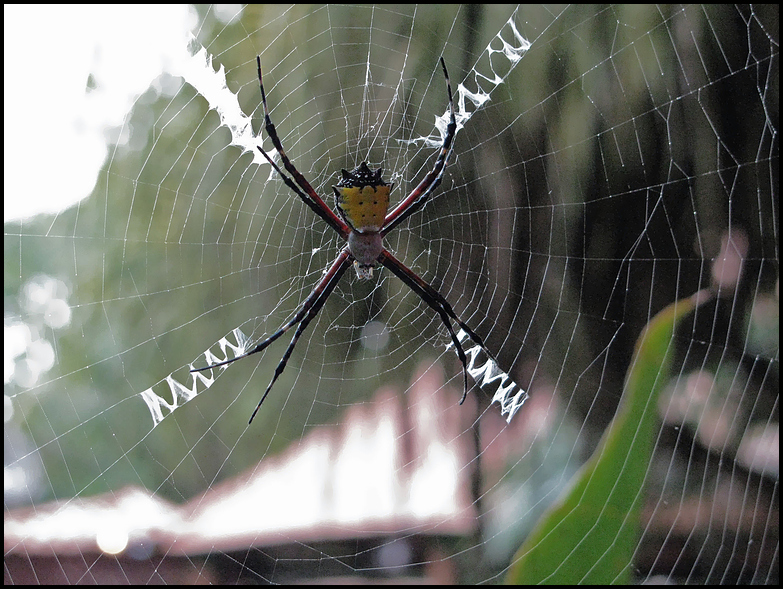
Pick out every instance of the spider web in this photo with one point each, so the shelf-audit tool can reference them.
(608, 161)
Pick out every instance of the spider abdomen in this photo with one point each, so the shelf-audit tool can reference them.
(365, 208)
(363, 198)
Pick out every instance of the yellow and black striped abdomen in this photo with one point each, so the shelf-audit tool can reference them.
(363, 198)
(364, 209)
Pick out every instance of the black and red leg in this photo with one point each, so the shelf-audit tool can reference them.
(439, 304)
(303, 316)
(312, 199)
(419, 196)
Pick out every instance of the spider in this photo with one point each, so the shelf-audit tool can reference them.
(362, 198)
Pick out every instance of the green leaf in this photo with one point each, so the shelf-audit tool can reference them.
(590, 534)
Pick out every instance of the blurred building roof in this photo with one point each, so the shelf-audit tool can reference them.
(387, 468)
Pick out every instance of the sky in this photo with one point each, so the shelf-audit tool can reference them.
(70, 81)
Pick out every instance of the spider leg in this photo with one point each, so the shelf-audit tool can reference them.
(440, 305)
(418, 198)
(307, 200)
(326, 286)
(306, 312)
(312, 199)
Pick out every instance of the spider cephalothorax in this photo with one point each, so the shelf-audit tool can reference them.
(363, 221)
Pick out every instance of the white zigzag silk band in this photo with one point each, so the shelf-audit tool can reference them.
(487, 374)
